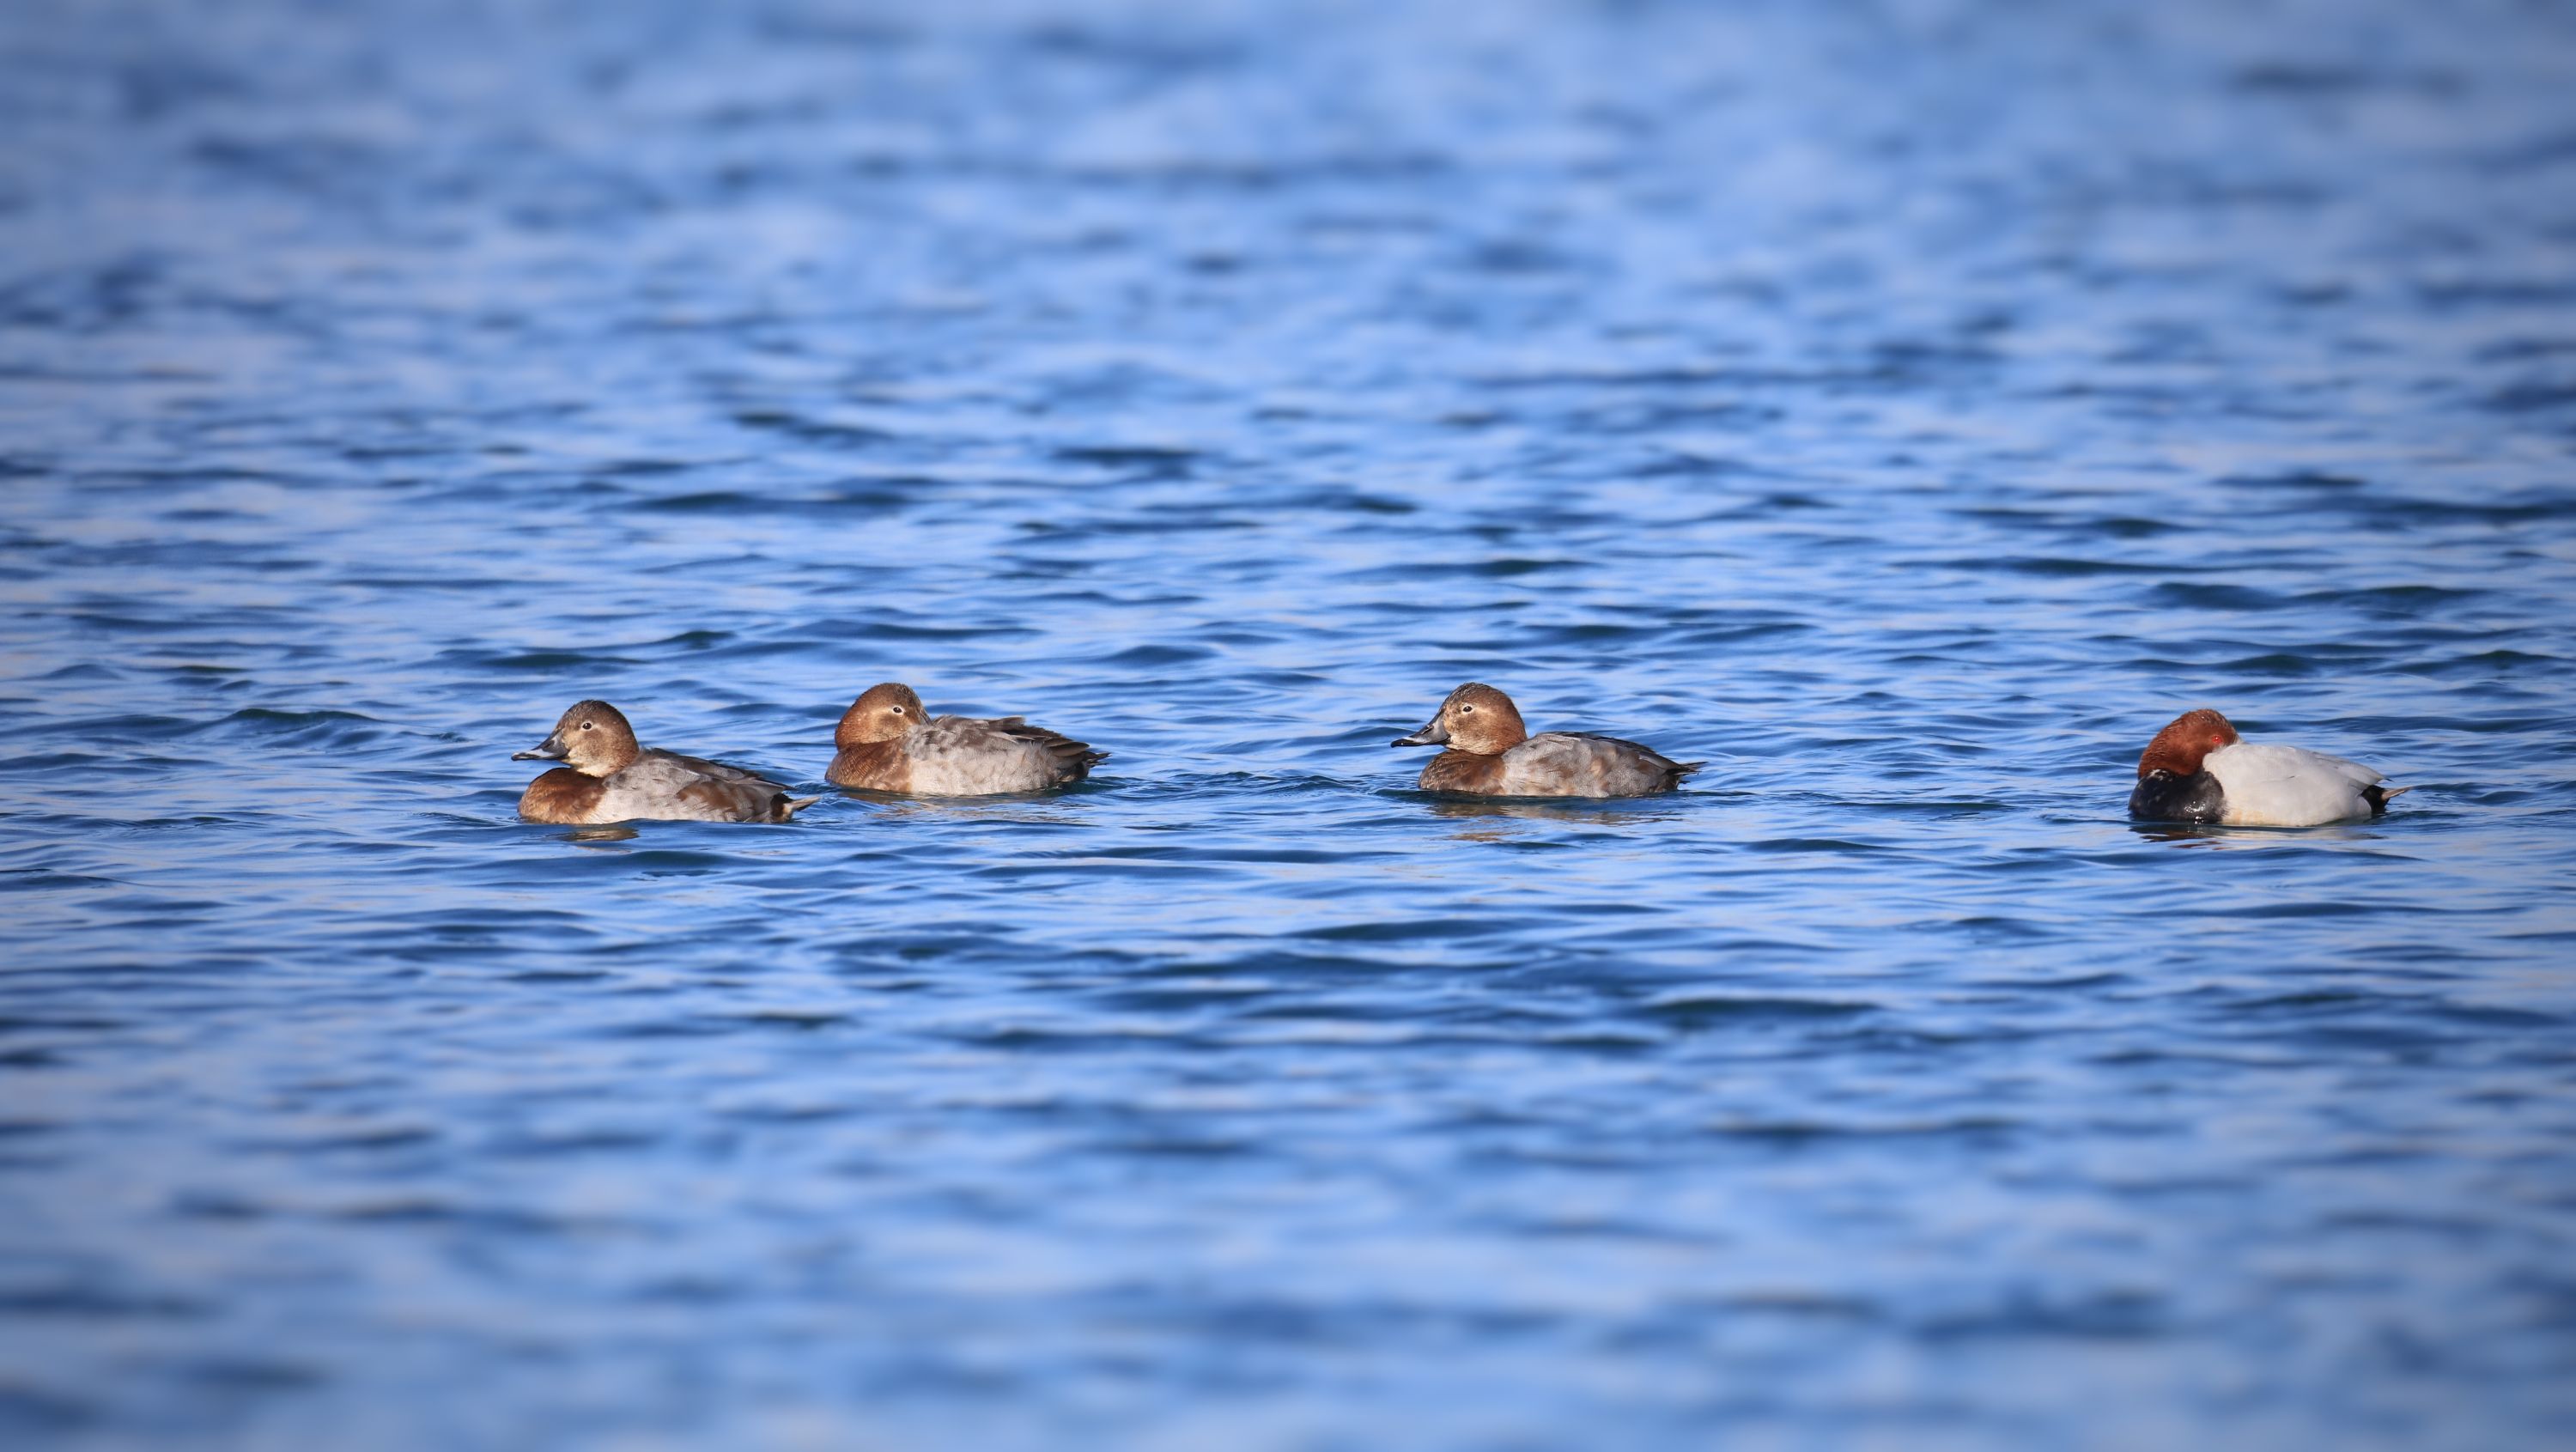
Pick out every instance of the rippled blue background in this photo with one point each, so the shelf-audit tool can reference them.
(1905, 407)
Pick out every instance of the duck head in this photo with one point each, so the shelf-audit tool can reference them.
(1476, 719)
(2181, 746)
(885, 712)
(592, 738)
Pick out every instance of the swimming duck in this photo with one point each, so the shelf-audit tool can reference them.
(1491, 754)
(2199, 770)
(886, 742)
(608, 778)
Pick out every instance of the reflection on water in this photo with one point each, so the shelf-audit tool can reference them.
(1606, 812)
(1908, 407)
(2343, 833)
(1061, 807)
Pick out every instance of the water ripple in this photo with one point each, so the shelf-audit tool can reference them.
(1902, 408)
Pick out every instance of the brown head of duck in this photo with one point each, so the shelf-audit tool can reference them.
(1476, 719)
(593, 738)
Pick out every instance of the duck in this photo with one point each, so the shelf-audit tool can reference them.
(886, 742)
(1491, 754)
(606, 777)
(2199, 769)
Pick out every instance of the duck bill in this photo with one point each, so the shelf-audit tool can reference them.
(1434, 734)
(550, 749)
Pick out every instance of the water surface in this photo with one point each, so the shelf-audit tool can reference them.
(1904, 408)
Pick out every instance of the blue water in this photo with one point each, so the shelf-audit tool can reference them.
(1906, 408)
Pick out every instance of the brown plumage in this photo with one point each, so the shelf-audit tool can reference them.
(562, 795)
(607, 777)
(886, 742)
(1491, 753)
(1464, 772)
(2186, 742)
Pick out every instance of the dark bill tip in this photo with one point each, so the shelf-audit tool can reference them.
(547, 750)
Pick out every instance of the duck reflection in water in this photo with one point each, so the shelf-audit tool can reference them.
(2192, 834)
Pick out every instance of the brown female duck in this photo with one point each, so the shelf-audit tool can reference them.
(606, 777)
(886, 742)
(1491, 754)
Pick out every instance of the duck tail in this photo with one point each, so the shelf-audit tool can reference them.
(789, 806)
(2379, 797)
(1680, 769)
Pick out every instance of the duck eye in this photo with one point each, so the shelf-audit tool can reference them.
(585, 725)
(898, 710)
(1466, 710)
